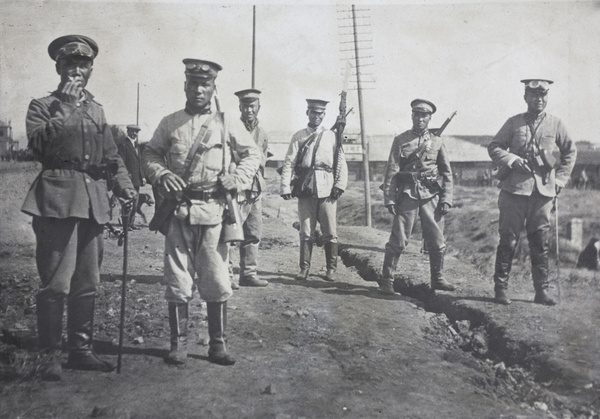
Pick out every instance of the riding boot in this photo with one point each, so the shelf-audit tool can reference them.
(49, 323)
(436, 266)
(217, 321)
(178, 322)
(306, 247)
(503, 265)
(80, 326)
(248, 264)
(331, 255)
(386, 284)
(538, 248)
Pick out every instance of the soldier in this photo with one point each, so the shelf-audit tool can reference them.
(129, 150)
(185, 159)
(418, 183)
(250, 200)
(69, 136)
(530, 180)
(313, 151)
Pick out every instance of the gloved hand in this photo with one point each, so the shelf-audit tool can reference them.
(172, 183)
(336, 193)
(287, 196)
(407, 177)
(442, 209)
(227, 181)
(521, 165)
(128, 196)
(558, 186)
(391, 209)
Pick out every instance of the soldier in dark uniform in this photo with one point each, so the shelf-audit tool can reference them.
(68, 134)
(530, 179)
(418, 183)
(129, 150)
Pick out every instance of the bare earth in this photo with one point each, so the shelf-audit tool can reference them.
(316, 349)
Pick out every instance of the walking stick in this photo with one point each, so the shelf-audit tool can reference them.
(125, 212)
(557, 247)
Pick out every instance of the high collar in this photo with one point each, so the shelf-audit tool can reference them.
(250, 125)
(532, 117)
(204, 111)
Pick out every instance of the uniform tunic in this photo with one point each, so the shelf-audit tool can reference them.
(251, 206)
(318, 207)
(525, 199)
(69, 198)
(192, 243)
(417, 199)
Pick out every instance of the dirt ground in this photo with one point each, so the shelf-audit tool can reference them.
(314, 349)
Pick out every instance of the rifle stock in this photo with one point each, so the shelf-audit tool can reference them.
(232, 224)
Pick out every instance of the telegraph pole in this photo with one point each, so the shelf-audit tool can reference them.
(253, 42)
(137, 112)
(360, 41)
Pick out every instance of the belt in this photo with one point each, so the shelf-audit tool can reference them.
(323, 167)
(205, 195)
(102, 171)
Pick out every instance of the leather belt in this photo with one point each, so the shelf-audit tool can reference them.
(204, 195)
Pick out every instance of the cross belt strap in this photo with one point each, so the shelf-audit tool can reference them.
(200, 141)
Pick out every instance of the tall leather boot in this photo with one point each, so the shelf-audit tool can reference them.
(49, 323)
(80, 326)
(502, 268)
(538, 248)
(306, 247)
(217, 322)
(331, 255)
(178, 322)
(436, 267)
(248, 264)
(386, 284)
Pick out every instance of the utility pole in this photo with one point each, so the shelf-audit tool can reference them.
(137, 112)
(360, 41)
(253, 42)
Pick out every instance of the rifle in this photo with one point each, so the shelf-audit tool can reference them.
(438, 131)
(232, 225)
(340, 123)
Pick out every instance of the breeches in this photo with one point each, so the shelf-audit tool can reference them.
(407, 211)
(195, 250)
(520, 211)
(313, 210)
(252, 216)
(68, 255)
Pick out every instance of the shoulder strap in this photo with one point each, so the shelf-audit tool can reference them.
(201, 139)
(304, 147)
(316, 147)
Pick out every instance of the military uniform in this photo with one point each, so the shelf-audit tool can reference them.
(69, 203)
(321, 206)
(250, 200)
(527, 194)
(192, 233)
(418, 183)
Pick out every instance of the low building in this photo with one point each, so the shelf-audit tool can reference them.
(9, 148)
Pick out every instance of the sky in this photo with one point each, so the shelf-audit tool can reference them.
(464, 56)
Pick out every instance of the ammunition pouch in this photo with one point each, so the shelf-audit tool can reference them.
(433, 182)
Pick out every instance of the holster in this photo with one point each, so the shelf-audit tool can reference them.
(162, 214)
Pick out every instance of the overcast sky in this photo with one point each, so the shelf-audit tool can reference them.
(463, 56)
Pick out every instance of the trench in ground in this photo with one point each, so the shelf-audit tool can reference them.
(487, 341)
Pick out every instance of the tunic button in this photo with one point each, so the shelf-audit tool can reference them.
(78, 104)
(86, 157)
(87, 181)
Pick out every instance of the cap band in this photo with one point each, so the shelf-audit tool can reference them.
(75, 48)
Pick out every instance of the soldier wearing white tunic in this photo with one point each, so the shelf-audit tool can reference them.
(197, 182)
(314, 149)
